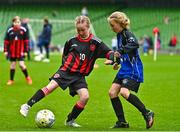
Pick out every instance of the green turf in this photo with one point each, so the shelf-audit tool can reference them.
(160, 92)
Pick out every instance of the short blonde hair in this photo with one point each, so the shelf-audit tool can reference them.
(82, 19)
(120, 18)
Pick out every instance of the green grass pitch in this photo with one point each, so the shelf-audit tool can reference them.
(160, 92)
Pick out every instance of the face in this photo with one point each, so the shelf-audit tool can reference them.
(17, 23)
(116, 27)
(82, 30)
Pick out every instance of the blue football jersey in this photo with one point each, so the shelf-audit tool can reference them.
(131, 65)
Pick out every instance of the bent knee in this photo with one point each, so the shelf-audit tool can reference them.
(22, 66)
(114, 90)
(113, 93)
(84, 97)
(124, 92)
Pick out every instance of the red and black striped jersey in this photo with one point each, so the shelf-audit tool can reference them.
(16, 42)
(80, 55)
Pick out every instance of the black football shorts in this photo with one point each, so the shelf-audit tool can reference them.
(74, 81)
(128, 83)
(16, 59)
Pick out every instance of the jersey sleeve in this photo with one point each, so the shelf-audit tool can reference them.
(6, 42)
(65, 51)
(105, 52)
(26, 41)
(131, 43)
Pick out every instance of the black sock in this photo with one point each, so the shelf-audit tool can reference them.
(36, 97)
(12, 72)
(47, 51)
(134, 100)
(41, 50)
(118, 108)
(75, 113)
(25, 72)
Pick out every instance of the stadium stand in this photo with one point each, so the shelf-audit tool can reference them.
(142, 19)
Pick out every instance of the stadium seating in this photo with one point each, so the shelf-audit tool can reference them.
(142, 21)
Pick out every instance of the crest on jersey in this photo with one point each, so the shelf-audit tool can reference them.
(16, 38)
(56, 75)
(125, 81)
(74, 45)
(92, 47)
(131, 40)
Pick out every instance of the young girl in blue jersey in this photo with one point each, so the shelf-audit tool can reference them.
(130, 74)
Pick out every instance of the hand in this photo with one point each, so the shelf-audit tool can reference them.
(117, 54)
(108, 62)
(5, 53)
(25, 54)
(115, 66)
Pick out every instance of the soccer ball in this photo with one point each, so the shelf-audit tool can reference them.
(45, 118)
(39, 57)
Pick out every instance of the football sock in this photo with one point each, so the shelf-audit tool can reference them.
(12, 72)
(134, 100)
(46, 91)
(25, 72)
(40, 48)
(77, 109)
(118, 108)
(36, 97)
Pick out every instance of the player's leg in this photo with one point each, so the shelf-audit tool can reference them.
(41, 47)
(117, 106)
(47, 50)
(40, 94)
(134, 100)
(12, 72)
(25, 72)
(46, 46)
(78, 107)
(29, 55)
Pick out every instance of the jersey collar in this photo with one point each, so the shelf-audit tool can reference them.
(85, 40)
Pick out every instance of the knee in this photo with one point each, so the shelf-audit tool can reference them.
(84, 98)
(124, 93)
(113, 93)
(13, 65)
(22, 66)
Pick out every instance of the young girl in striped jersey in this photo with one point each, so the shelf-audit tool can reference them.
(16, 48)
(79, 56)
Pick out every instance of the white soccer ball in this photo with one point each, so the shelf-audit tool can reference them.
(38, 58)
(45, 118)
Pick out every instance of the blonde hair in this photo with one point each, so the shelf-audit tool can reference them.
(82, 19)
(120, 18)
